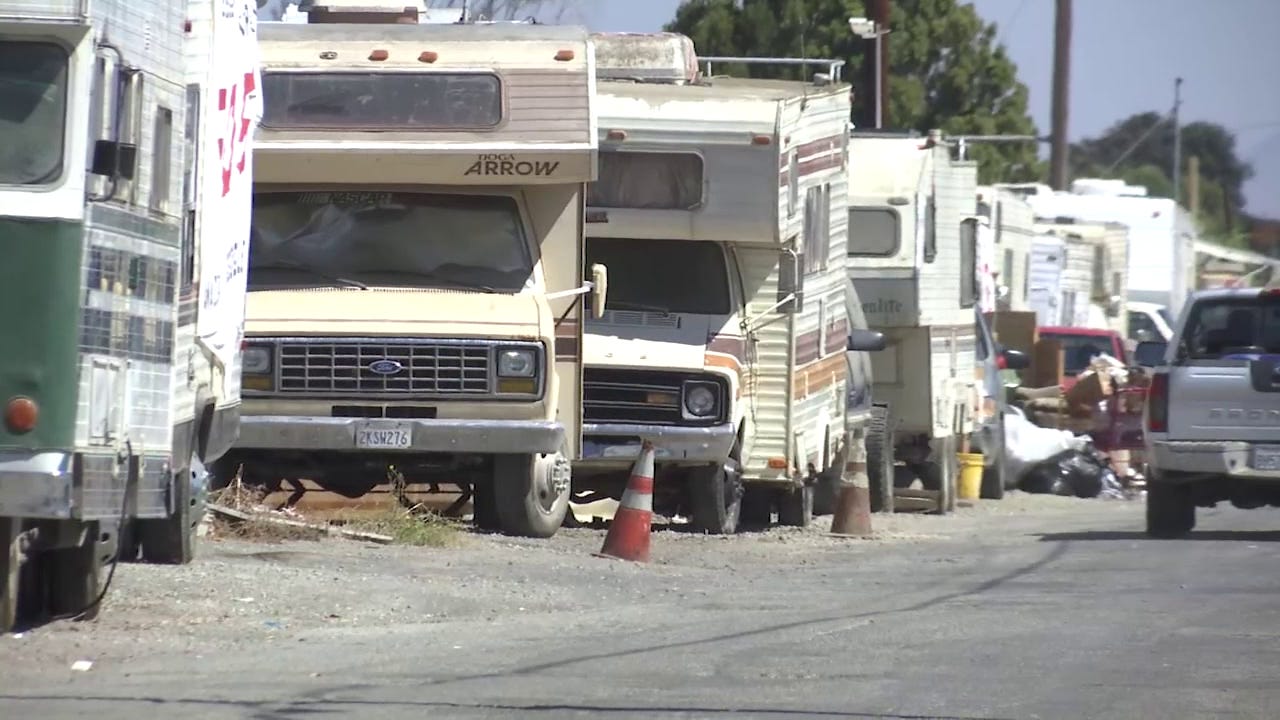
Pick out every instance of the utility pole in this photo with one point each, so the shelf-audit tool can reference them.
(1193, 185)
(1061, 94)
(1177, 143)
(880, 14)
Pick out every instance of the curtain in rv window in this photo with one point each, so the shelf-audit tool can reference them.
(968, 262)
(647, 181)
(817, 228)
(874, 231)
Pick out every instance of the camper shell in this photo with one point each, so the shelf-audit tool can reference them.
(416, 276)
(913, 260)
(725, 200)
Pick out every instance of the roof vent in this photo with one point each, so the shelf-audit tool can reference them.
(645, 57)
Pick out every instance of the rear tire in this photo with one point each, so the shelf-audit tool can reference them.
(484, 506)
(939, 474)
(757, 507)
(993, 475)
(529, 502)
(11, 584)
(73, 575)
(795, 506)
(1171, 510)
(172, 540)
(880, 472)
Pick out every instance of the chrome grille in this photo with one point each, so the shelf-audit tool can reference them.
(644, 397)
(427, 368)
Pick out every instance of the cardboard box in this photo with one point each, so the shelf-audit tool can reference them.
(1090, 390)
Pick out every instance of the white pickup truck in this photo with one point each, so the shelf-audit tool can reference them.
(1212, 416)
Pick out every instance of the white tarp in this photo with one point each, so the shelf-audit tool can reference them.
(232, 109)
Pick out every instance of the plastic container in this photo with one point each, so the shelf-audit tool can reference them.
(969, 486)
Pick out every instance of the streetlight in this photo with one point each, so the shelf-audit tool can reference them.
(870, 30)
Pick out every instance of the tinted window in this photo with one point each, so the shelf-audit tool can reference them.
(683, 276)
(873, 231)
(968, 263)
(384, 101)
(647, 181)
(1230, 326)
(817, 228)
(33, 110)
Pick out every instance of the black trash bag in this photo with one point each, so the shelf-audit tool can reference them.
(1082, 474)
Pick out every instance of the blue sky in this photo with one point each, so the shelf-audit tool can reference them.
(1125, 56)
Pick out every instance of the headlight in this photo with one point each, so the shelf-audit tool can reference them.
(700, 399)
(256, 360)
(516, 363)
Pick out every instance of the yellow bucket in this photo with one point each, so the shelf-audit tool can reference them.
(969, 486)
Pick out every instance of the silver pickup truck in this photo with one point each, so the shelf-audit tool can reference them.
(1212, 416)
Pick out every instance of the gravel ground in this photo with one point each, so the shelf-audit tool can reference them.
(239, 594)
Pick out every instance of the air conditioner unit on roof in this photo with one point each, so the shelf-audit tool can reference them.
(645, 57)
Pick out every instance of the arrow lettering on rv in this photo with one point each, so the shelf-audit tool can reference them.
(507, 165)
(231, 146)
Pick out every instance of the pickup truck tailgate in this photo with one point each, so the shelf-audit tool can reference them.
(1226, 399)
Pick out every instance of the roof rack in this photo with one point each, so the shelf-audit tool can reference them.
(834, 67)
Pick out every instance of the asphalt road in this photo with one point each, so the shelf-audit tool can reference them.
(1061, 612)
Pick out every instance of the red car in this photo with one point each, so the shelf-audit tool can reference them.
(1081, 345)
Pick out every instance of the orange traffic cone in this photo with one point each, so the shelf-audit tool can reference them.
(628, 537)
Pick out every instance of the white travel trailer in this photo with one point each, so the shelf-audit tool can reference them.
(1012, 224)
(1162, 235)
(721, 206)
(912, 258)
(1095, 272)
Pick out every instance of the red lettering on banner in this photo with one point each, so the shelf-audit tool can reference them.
(232, 145)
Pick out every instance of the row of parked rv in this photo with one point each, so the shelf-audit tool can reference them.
(496, 255)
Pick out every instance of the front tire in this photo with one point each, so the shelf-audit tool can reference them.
(1171, 510)
(715, 498)
(993, 475)
(795, 506)
(532, 494)
(880, 461)
(172, 540)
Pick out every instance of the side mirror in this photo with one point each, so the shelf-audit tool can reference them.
(599, 289)
(790, 283)
(1150, 353)
(1015, 360)
(865, 341)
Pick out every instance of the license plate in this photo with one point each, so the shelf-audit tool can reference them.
(389, 436)
(1266, 458)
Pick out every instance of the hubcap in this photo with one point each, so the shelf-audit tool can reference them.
(551, 477)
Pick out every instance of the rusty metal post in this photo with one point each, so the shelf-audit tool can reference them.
(852, 517)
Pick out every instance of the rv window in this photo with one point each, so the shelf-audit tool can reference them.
(873, 231)
(968, 262)
(33, 111)
(679, 276)
(647, 181)
(161, 159)
(391, 239)
(817, 228)
(382, 101)
(930, 231)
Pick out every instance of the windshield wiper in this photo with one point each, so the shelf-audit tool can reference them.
(312, 271)
(612, 304)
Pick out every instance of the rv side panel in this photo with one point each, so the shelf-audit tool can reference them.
(955, 187)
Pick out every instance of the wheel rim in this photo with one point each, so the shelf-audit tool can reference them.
(545, 493)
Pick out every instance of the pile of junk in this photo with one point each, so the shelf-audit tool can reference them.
(1082, 436)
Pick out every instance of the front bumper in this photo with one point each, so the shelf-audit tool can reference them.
(1222, 458)
(443, 435)
(39, 485)
(679, 445)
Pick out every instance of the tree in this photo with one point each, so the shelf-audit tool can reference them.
(1139, 149)
(945, 69)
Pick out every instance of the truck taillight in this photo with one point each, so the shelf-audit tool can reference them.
(1158, 403)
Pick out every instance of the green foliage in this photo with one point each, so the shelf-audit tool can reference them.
(1139, 149)
(946, 70)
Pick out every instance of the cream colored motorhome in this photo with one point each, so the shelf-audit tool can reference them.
(913, 259)
(416, 277)
(721, 207)
(1012, 224)
(1095, 277)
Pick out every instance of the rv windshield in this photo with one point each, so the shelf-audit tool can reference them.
(873, 231)
(33, 109)
(679, 276)
(387, 239)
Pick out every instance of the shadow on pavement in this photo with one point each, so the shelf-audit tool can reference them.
(1218, 535)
